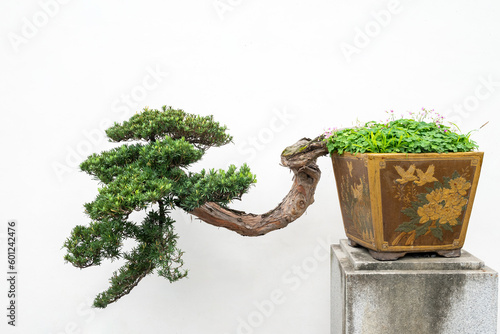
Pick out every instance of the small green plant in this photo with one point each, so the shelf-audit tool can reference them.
(423, 132)
(150, 175)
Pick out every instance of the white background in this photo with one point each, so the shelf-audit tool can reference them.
(273, 72)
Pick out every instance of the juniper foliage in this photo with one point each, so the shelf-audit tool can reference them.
(151, 175)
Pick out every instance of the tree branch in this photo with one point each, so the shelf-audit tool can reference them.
(301, 159)
(162, 213)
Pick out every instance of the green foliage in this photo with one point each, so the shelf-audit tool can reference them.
(404, 135)
(150, 175)
(90, 245)
(214, 186)
(159, 155)
(156, 249)
(154, 124)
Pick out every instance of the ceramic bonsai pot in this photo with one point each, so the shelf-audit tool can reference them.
(397, 203)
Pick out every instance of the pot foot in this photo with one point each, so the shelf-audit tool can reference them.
(386, 256)
(450, 253)
(352, 243)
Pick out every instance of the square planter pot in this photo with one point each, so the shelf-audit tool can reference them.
(397, 203)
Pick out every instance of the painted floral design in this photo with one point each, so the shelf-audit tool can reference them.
(460, 185)
(436, 210)
(452, 202)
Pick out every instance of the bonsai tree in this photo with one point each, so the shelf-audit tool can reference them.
(150, 175)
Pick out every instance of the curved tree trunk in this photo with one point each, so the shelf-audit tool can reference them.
(301, 159)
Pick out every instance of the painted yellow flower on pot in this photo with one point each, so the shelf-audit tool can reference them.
(460, 185)
(431, 211)
(437, 210)
(444, 204)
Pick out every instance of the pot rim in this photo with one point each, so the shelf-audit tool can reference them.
(433, 154)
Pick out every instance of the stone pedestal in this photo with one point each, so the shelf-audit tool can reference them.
(419, 293)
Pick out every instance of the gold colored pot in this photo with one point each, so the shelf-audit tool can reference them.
(395, 203)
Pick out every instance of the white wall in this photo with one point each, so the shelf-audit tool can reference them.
(273, 72)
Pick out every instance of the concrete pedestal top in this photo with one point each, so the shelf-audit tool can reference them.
(420, 293)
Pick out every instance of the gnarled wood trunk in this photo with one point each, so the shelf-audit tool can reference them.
(301, 159)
